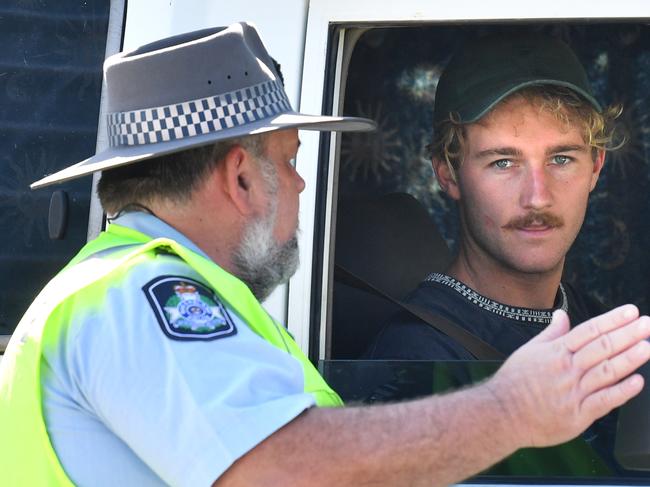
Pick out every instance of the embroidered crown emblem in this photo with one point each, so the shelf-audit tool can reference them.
(188, 310)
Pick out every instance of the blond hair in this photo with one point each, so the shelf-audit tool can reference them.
(569, 108)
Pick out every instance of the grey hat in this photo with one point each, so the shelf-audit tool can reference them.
(190, 90)
(485, 71)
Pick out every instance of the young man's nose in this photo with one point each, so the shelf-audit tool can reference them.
(536, 188)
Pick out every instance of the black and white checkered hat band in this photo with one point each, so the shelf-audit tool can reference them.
(197, 117)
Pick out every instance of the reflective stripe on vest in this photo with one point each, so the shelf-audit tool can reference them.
(26, 454)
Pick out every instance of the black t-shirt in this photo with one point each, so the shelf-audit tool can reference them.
(506, 328)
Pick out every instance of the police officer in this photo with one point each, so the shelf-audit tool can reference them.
(148, 360)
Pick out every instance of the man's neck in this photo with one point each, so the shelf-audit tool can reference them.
(507, 286)
(203, 227)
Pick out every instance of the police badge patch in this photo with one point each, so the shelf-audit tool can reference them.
(188, 310)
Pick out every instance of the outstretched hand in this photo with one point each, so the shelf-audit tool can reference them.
(557, 384)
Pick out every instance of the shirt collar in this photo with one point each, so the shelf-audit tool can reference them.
(154, 227)
(543, 316)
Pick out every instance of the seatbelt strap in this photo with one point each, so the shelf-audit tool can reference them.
(478, 348)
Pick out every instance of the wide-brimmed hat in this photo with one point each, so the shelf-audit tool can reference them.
(191, 90)
(487, 70)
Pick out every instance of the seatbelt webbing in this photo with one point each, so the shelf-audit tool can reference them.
(479, 349)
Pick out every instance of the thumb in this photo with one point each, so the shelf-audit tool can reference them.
(558, 326)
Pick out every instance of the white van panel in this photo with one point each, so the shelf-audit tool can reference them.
(282, 26)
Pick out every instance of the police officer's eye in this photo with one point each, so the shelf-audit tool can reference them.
(292, 162)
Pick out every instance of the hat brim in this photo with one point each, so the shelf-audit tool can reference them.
(482, 103)
(120, 156)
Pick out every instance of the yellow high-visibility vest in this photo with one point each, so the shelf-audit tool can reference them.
(26, 453)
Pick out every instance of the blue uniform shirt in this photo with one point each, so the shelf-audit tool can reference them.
(126, 404)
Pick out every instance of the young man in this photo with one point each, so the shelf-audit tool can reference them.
(519, 143)
(149, 360)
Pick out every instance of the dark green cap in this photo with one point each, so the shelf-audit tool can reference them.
(486, 71)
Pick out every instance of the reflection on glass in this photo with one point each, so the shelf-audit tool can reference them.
(50, 85)
(588, 458)
(392, 77)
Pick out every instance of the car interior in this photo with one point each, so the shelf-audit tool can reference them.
(393, 226)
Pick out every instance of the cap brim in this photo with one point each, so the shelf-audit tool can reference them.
(482, 103)
(120, 156)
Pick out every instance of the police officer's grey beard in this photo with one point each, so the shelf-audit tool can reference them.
(262, 262)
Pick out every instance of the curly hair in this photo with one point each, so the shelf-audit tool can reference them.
(569, 108)
(172, 177)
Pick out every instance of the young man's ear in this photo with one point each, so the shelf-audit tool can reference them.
(447, 178)
(599, 162)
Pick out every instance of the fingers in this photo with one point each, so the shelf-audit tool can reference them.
(611, 371)
(591, 329)
(558, 326)
(612, 343)
(603, 401)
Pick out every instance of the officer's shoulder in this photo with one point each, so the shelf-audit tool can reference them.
(160, 262)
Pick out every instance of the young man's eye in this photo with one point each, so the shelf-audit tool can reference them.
(502, 163)
(561, 160)
(292, 162)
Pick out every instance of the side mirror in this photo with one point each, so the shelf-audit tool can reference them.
(57, 222)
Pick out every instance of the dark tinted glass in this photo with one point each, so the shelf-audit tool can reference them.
(392, 78)
(50, 85)
(587, 459)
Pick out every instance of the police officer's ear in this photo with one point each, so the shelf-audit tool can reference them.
(237, 177)
(447, 178)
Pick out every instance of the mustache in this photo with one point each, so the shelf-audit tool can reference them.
(537, 218)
